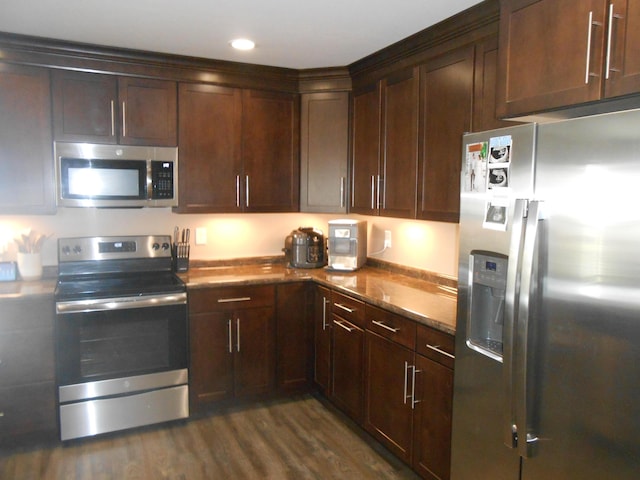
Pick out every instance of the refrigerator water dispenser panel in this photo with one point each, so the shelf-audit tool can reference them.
(488, 279)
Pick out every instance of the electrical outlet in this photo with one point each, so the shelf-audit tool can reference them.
(201, 236)
(387, 239)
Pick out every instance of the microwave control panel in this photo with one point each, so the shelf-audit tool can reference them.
(161, 179)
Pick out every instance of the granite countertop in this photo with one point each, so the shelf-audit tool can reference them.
(20, 289)
(425, 302)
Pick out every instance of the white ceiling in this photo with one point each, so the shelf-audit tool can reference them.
(288, 33)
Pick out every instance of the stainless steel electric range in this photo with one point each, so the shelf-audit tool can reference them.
(121, 335)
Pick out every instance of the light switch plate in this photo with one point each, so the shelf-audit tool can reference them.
(201, 236)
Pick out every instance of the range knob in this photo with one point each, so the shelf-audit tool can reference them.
(66, 250)
(77, 249)
(155, 246)
(166, 246)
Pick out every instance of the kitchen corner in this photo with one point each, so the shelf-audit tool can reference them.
(430, 300)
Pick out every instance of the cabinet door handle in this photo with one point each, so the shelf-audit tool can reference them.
(373, 192)
(340, 324)
(437, 348)
(238, 191)
(608, 67)
(124, 119)
(230, 336)
(237, 334)
(345, 308)
(113, 118)
(386, 327)
(324, 312)
(406, 375)
(342, 192)
(413, 387)
(246, 192)
(234, 299)
(592, 24)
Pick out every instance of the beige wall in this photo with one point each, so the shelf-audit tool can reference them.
(431, 246)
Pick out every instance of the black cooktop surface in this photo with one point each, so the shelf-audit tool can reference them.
(79, 288)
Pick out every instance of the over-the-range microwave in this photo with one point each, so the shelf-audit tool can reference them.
(115, 176)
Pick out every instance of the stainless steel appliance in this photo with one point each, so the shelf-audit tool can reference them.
(347, 244)
(96, 175)
(305, 248)
(548, 332)
(121, 335)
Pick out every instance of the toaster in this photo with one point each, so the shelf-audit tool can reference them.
(305, 248)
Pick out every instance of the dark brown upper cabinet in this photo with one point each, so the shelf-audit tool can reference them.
(102, 108)
(484, 87)
(446, 93)
(210, 148)
(622, 67)
(238, 150)
(26, 153)
(324, 153)
(365, 162)
(560, 53)
(270, 151)
(385, 145)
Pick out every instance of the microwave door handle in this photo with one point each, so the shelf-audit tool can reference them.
(508, 339)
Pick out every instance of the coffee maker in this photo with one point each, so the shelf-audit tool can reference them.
(347, 244)
(305, 248)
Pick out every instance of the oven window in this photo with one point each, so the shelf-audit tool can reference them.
(111, 344)
(115, 347)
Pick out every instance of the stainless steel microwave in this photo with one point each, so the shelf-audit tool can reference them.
(115, 176)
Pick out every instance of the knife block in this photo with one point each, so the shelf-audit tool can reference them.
(180, 254)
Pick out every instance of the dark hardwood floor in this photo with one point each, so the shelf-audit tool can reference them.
(297, 438)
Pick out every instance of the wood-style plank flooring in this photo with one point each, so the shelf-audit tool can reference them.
(298, 438)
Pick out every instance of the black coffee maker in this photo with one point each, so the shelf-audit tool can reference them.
(305, 248)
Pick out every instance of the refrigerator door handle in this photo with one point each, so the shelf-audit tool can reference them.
(508, 338)
(526, 438)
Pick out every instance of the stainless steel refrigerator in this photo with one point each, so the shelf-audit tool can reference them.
(547, 370)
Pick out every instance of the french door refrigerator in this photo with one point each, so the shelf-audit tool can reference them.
(547, 370)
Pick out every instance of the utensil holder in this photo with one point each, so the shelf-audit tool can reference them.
(180, 254)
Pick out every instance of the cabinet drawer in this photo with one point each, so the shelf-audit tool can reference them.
(436, 345)
(348, 308)
(230, 298)
(26, 356)
(23, 314)
(389, 325)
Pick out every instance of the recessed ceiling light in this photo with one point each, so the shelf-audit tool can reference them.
(242, 44)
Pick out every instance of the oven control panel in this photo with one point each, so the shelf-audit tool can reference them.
(81, 249)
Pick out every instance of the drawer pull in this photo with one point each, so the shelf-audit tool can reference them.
(236, 299)
(340, 324)
(386, 327)
(436, 348)
(345, 308)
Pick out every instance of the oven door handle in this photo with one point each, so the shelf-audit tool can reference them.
(121, 303)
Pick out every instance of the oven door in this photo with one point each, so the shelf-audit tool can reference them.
(120, 337)
(121, 363)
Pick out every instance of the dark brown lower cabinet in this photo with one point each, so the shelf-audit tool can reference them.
(389, 416)
(348, 367)
(432, 419)
(294, 337)
(322, 327)
(27, 387)
(232, 340)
